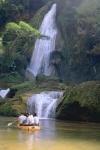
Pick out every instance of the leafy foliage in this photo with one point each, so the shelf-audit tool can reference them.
(12, 10)
(12, 107)
(1, 46)
(7, 110)
(18, 40)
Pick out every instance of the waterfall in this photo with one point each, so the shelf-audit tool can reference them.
(3, 93)
(40, 61)
(44, 103)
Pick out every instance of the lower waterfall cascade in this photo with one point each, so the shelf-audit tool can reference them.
(44, 103)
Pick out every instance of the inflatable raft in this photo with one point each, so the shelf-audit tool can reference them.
(29, 127)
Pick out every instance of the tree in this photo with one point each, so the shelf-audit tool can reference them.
(14, 10)
(18, 41)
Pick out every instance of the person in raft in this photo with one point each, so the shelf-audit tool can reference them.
(36, 119)
(22, 119)
(30, 119)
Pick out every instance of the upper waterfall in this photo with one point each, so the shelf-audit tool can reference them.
(40, 61)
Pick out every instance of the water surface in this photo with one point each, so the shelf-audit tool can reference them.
(54, 135)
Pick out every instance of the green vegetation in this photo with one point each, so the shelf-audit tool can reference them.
(1, 46)
(16, 10)
(12, 107)
(18, 42)
(36, 20)
(17, 38)
(80, 32)
(81, 102)
(89, 6)
(10, 79)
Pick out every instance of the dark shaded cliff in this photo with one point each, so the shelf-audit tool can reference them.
(78, 41)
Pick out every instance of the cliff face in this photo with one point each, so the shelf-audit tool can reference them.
(78, 40)
(80, 33)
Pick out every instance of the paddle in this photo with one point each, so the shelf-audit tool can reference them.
(11, 123)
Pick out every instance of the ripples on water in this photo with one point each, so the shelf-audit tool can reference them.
(54, 135)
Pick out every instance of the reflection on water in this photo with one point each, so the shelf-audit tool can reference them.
(54, 135)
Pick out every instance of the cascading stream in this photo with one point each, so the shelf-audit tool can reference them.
(40, 61)
(3, 93)
(44, 104)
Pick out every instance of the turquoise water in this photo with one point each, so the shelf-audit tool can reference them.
(54, 135)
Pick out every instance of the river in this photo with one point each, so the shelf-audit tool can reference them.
(54, 135)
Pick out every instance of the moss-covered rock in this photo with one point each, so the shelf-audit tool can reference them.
(81, 102)
(38, 17)
(10, 79)
(12, 107)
